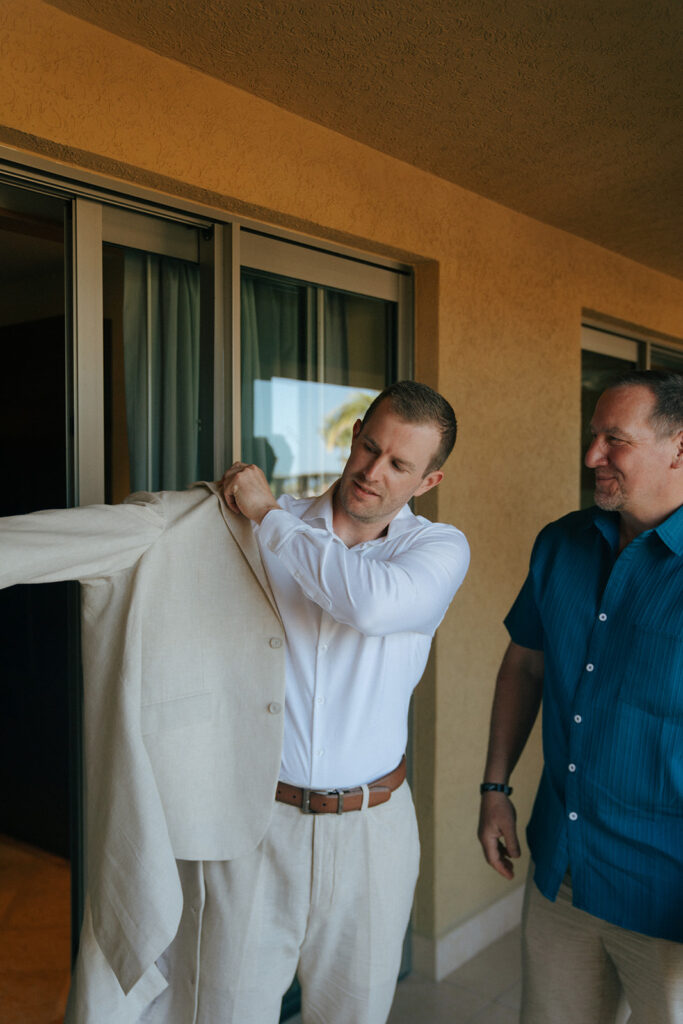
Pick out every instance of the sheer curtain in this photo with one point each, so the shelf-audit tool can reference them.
(161, 357)
(274, 344)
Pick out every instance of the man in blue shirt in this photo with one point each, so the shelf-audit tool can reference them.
(597, 631)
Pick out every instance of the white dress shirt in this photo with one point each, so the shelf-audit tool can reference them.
(359, 624)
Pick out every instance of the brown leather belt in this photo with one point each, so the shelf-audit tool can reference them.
(337, 801)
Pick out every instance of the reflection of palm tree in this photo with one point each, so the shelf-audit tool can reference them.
(338, 426)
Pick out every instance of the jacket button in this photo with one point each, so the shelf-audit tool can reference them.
(275, 642)
(275, 707)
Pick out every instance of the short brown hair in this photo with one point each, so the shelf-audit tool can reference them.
(418, 403)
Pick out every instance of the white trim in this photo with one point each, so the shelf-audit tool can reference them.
(150, 233)
(608, 343)
(221, 352)
(88, 355)
(306, 263)
(235, 384)
(629, 332)
(437, 958)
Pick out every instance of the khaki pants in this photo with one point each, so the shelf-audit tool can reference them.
(575, 967)
(326, 896)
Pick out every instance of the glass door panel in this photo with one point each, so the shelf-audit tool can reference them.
(157, 368)
(666, 358)
(313, 359)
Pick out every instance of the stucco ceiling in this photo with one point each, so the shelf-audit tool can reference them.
(567, 110)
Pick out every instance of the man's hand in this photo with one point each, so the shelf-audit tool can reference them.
(246, 491)
(498, 832)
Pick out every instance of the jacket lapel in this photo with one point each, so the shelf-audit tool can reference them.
(243, 534)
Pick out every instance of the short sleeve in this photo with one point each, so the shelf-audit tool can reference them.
(523, 621)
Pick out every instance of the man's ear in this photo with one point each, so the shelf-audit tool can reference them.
(431, 480)
(356, 429)
(677, 461)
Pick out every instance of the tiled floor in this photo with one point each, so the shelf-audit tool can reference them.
(34, 935)
(486, 990)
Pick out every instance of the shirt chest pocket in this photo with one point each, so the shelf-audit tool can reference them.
(653, 672)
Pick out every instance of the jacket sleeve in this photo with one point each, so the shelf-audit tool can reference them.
(77, 543)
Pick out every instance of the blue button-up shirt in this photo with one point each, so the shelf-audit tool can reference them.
(610, 801)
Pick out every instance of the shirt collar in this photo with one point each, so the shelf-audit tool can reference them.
(670, 531)
(321, 510)
(607, 523)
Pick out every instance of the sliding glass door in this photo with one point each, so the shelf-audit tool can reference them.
(146, 347)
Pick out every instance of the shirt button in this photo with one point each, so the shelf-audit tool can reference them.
(602, 617)
(275, 707)
(573, 816)
(578, 719)
(572, 767)
(319, 753)
(323, 647)
(320, 700)
(275, 642)
(589, 667)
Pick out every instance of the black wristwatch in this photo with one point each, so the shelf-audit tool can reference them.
(495, 787)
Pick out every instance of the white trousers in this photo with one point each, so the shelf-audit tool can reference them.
(575, 967)
(327, 897)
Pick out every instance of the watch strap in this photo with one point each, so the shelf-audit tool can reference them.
(495, 787)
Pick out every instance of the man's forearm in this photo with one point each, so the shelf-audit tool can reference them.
(519, 689)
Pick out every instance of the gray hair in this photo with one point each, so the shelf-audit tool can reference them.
(667, 387)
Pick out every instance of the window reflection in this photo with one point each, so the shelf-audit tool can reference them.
(304, 431)
(313, 359)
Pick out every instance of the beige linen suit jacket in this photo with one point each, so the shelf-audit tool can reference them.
(183, 659)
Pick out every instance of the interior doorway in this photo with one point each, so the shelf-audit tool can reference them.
(36, 623)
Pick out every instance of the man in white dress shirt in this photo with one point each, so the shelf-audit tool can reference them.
(185, 674)
(361, 585)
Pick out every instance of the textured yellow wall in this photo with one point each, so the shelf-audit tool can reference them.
(499, 303)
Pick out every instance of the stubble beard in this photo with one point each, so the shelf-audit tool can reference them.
(612, 501)
(349, 507)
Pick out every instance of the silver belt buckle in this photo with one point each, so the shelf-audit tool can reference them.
(306, 799)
